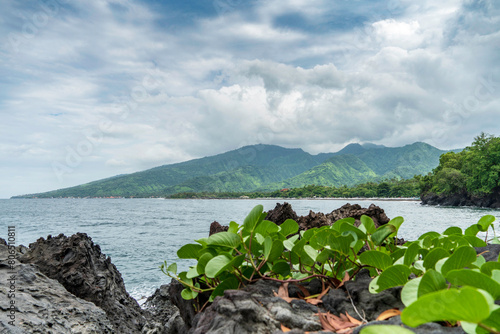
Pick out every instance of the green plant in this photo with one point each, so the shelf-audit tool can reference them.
(260, 249)
(445, 265)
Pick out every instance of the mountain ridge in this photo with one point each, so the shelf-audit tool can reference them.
(263, 167)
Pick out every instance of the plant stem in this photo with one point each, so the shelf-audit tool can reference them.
(489, 329)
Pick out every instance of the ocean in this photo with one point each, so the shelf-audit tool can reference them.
(139, 234)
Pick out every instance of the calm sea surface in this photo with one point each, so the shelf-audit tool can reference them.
(139, 234)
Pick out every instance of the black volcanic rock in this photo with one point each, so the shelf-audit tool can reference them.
(215, 227)
(281, 213)
(43, 305)
(78, 264)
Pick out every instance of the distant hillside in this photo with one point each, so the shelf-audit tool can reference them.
(362, 165)
(246, 168)
(265, 167)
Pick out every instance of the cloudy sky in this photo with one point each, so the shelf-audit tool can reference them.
(95, 88)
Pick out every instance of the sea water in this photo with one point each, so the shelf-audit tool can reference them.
(139, 234)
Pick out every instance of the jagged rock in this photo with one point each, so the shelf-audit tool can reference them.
(215, 227)
(43, 305)
(367, 304)
(281, 213)
(166, 315)
(313, 220)
(254, 310)
(186, 307)
(356, 211)
(78, 264)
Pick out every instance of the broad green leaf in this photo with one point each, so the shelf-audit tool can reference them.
(382, 233)
(233, 227)
(230, 283)
(453, 230)
(342, 244)
(375, 259)
(431, 234)
(336, 225)
(409, 294)
(426, 242)
(393, 276)
(479, 262)
(288, 227)
(431, 281)
(311, 252)
(485, 222)
(473, 278)
(276, 250)
(351, 228)
(202, 262)
(192, 272)
(282, 268)
(367, 224)
(396, 222)
(202, 241)
(472, 230)
(307, 234)
(495, 241)
(253, 218)
(323, 238)
(188, 294)
(217, 265)
(173, 268)
(325, 255)
(434, 256)
(466, 304)
(183, 277)
(224, 239)
(495, 274)
(411, 254)
(475, 241)
(290, 242)
(461, 257)
(268, 245)
(419, 265)
(189, 251)
(385, 329)
(398, 254)
(487, 267)
(266, 227)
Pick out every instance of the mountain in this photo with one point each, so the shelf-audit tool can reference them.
(373, 164)
(265, 167)
(246, 168)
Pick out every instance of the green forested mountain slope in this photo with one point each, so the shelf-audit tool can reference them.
(265, 167)
(346, 169)
(267, 163)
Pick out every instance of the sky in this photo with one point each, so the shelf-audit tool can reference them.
(96, 88)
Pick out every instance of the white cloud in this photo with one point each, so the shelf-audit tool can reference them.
(144, 91)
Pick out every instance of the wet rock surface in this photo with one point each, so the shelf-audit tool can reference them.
(43, 305)
(78, 264)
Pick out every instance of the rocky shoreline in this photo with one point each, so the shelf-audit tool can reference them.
(491, 200)
(67, 285)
